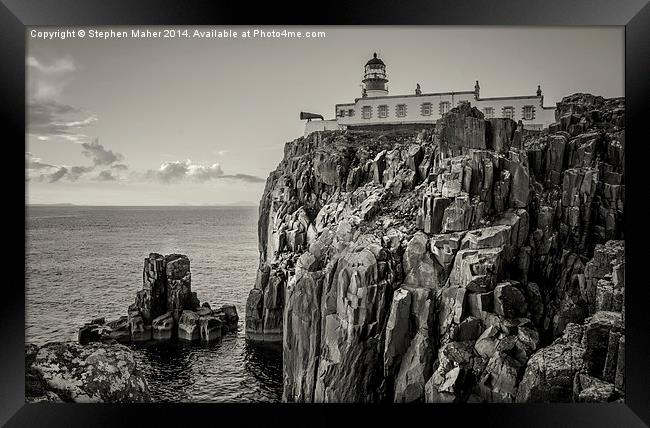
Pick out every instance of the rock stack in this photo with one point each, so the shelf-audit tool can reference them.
(166, 308)
(448, 265)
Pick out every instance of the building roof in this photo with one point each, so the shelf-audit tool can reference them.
(375, 60)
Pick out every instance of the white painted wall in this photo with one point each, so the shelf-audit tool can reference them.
(542, 116)
(321, 125)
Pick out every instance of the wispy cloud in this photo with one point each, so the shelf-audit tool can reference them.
(48, 118)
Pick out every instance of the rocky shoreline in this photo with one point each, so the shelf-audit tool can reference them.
(478, 262)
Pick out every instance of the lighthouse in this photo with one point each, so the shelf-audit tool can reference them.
(374, 78)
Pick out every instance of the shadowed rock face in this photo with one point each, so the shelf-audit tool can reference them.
(448, 265)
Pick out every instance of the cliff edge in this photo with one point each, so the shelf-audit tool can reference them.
(476, 261)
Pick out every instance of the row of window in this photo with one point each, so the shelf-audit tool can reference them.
(528, 111)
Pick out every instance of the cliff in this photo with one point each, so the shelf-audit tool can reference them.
(472, 262)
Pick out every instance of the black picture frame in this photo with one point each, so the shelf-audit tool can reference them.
(16, 15)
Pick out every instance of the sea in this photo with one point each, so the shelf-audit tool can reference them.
(86, 262)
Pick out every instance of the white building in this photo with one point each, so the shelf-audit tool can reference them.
(376, 107)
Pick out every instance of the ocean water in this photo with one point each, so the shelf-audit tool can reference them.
(86, 262)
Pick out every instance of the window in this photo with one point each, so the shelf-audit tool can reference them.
(529, 112)
(341, 113)
(382, 111)
(366, 112)
(351, 112)
(400, 110)
(488, 112)
(426, 109)
(444, 107)
(509, 112)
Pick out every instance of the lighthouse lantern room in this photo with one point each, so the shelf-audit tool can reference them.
(374, 78)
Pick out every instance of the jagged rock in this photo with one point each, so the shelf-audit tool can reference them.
(302, 335)
(457, 366)
(445, 247)
(458, 215)
(151, 299)
(501, 134)
(431, 213)
(140, 332)
(487, 342)
(462, 127)
(210, 328)
(492, 223)
(119, 330)
(231, 318)
(163, 327)
(588, 389)
(549, 374)
(477, 270)
(596, 339)
(354, 308)
(480, 303)
(420, 268)
(499, 383)
(188, 326)
(417, 360)
(398, 331)
(93, 373)
(509, 301)
(179, 281)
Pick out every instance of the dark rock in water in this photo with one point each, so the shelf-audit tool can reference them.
(151, 299)
(166, 308)
(140, 332)
(179, 280)
(163, 327)
(94, 373)
(90, 333)
(211, 328)
(188, 326)
(119, 330)
(231, 318)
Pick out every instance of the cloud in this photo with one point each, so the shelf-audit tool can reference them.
(35, 163)
(48, 118)
(244, 177)
(177, 171)
(36, 169)
(106, 175)
(58, 174)
(59, 66)
(119, 166)
(47, 80)
(99, 154)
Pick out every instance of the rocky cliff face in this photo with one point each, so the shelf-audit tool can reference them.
(474, 262)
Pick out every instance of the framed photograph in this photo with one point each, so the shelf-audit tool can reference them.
(357, 211)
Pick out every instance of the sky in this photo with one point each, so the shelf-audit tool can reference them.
(204, 121)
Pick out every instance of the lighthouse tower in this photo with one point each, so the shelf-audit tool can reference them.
(374, 78)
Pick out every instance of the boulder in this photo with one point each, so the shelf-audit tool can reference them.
(93, 373)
